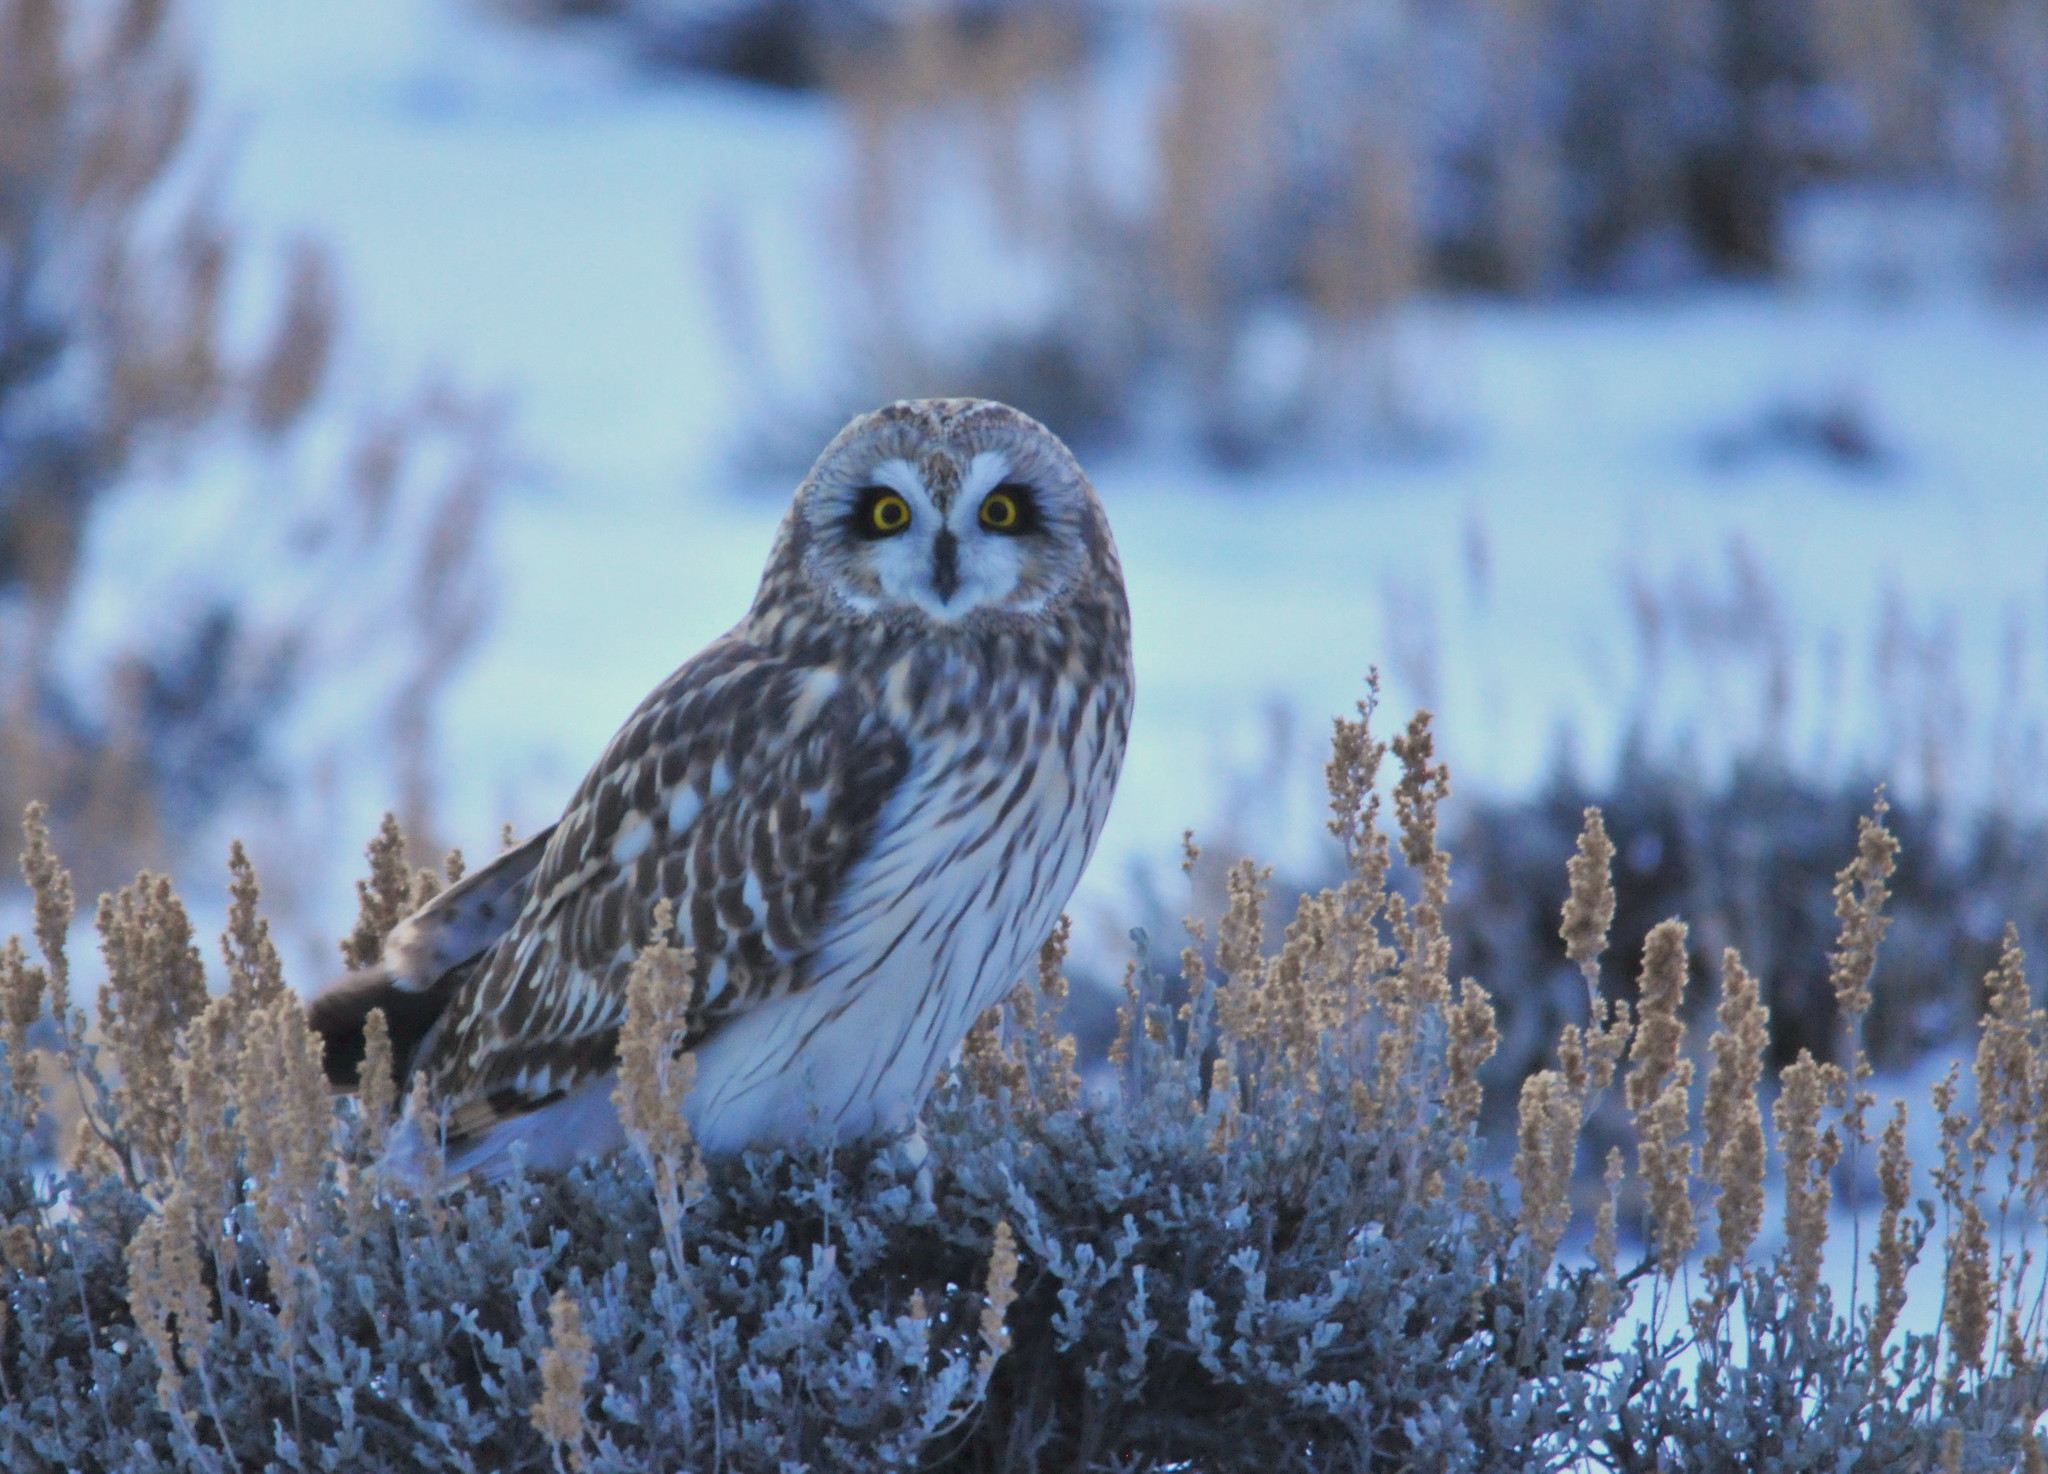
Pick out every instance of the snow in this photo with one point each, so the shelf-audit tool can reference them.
(534, 217)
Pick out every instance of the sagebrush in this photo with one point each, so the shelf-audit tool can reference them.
(1270, 1247)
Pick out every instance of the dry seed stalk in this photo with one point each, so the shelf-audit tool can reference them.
(1589, 908)
(255, 975)
(1352, 777)
(985, 1064)
(1806, 1088)
(1659, 1094)
(1861, 891)
(1297, 1004)
(2005, 1065)
(655, 1074)
(1473, 1039)
(166, 1293)
(1222, 1100)
(1733, 1156)
(1589, 1059)
(376, 1095)
(1548, 1143)
(156, 985)
(423, 1118)
(284, 1116)
(1664, 1158)
(50, 883)
(1017, 1045)
(21, 1003)
(1605, 1290)
(90, 1150)
(1966, 1310)
(1418, 990)
(1194, 968)
(565, 1369)
(1127, 1015)
(1898, 1245)
(376, 1083)
(1051, 1049)
(1860, 896)
(383, 900)
(209, 1158)
(1418, 798)
(1950, 1178)
(1241, 936)
(998, 1293)
(1653, 1053)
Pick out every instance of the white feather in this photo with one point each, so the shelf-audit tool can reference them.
(922, 941)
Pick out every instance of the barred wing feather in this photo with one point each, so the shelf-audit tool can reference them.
(744, 789)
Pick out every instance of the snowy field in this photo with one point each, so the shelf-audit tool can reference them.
(533, 218)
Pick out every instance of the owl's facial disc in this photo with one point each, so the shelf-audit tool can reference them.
(970, 536)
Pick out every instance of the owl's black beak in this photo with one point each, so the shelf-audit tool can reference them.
(946, 565)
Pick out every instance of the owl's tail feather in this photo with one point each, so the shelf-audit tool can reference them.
(427, 958)
(338, 1016)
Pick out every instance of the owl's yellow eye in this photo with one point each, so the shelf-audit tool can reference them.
(1007, 509)
(881, 513)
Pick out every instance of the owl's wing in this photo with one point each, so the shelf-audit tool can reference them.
(744, 789)
(425, 960)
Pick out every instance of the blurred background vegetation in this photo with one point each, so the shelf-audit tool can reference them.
(116, 368)
(1305, 166)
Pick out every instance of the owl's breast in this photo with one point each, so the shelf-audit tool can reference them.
(971, 862)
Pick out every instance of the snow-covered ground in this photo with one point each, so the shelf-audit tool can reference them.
(534, 217)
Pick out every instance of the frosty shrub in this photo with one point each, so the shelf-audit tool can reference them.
(1269, 1248)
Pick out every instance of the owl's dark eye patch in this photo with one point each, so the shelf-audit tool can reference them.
(879, 512)
(1011, 509)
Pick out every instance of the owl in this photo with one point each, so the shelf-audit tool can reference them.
(867, 805)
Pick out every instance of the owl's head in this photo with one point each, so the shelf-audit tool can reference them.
(947, 508)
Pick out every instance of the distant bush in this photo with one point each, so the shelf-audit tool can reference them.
(117, 372)
(1226, 200)
(113, 360)
(1270, 1250)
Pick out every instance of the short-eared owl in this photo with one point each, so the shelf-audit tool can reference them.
(868, 803)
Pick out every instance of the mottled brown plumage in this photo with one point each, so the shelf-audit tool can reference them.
(868, 802)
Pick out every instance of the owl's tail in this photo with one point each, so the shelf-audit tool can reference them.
(427, 958)
(340, 1014)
